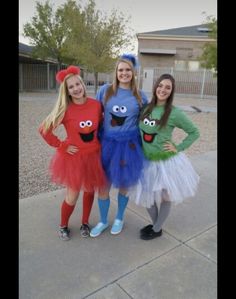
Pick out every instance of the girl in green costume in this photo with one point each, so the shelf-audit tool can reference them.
(168, 175)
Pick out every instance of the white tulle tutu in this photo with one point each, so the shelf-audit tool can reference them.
(176, 176)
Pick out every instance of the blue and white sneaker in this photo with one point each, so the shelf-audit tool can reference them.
(117, 226)
(98, 229)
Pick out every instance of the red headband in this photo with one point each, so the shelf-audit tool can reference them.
(60, 76)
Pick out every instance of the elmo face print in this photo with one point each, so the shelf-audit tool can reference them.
(86, 130)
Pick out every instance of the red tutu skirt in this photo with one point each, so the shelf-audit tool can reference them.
(82, 171)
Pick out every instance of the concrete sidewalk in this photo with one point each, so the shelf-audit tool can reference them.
(181, 264)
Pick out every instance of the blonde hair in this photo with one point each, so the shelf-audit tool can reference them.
(63, 100)
(133, 86)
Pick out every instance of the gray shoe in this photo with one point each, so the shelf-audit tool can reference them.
(64, 233)
(84, 230)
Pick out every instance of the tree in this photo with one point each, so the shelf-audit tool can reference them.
(77, 35)
(209, 56)
(73, 19)
(48, 32)
(103, 39)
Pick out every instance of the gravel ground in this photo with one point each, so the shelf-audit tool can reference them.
(34, 153)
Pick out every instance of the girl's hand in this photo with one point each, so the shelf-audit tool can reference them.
(169, 147)
(72, 149)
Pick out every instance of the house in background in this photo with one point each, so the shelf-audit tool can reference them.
(174, 49)
(39, 75)
(34, 73)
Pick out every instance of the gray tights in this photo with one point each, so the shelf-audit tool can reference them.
(159, 219)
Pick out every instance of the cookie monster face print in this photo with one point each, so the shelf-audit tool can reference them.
(121, 112)
(86, 130)
(118, 115)
(149, 128)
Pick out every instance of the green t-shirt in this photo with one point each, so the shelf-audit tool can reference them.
(153, 138)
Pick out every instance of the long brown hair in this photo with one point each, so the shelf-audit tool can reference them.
(112, 89)
(154, 100)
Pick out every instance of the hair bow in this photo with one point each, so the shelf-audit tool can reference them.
(60, 76)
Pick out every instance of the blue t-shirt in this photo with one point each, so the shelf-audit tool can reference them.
(122, 110)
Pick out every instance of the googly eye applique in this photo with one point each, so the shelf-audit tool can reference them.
(85, 130)
(148, 129)
(118, 120)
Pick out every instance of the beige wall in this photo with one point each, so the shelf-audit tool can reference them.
(185, 50)
(156, 60)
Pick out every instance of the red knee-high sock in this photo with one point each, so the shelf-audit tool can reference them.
(88, 199)
(66, 211)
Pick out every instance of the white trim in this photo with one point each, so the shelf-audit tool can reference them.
(182, 38)
(157, 51)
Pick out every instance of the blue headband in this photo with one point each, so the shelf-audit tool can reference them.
(131, 58)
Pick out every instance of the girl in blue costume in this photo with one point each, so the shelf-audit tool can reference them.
(122, 155)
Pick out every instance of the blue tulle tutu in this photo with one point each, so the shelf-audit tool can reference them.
(122, 158)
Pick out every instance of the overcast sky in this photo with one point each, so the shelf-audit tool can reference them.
(146, 15)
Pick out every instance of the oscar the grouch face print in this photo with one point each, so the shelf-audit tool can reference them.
(118, 115)
(86, 130)
(149, 128)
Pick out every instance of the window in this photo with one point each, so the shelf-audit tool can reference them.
(186, 65)
(181, 65)
(193, 65)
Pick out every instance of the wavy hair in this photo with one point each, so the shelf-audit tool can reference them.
(154, 100)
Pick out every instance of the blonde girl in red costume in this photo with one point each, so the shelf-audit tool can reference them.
(76, 163)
